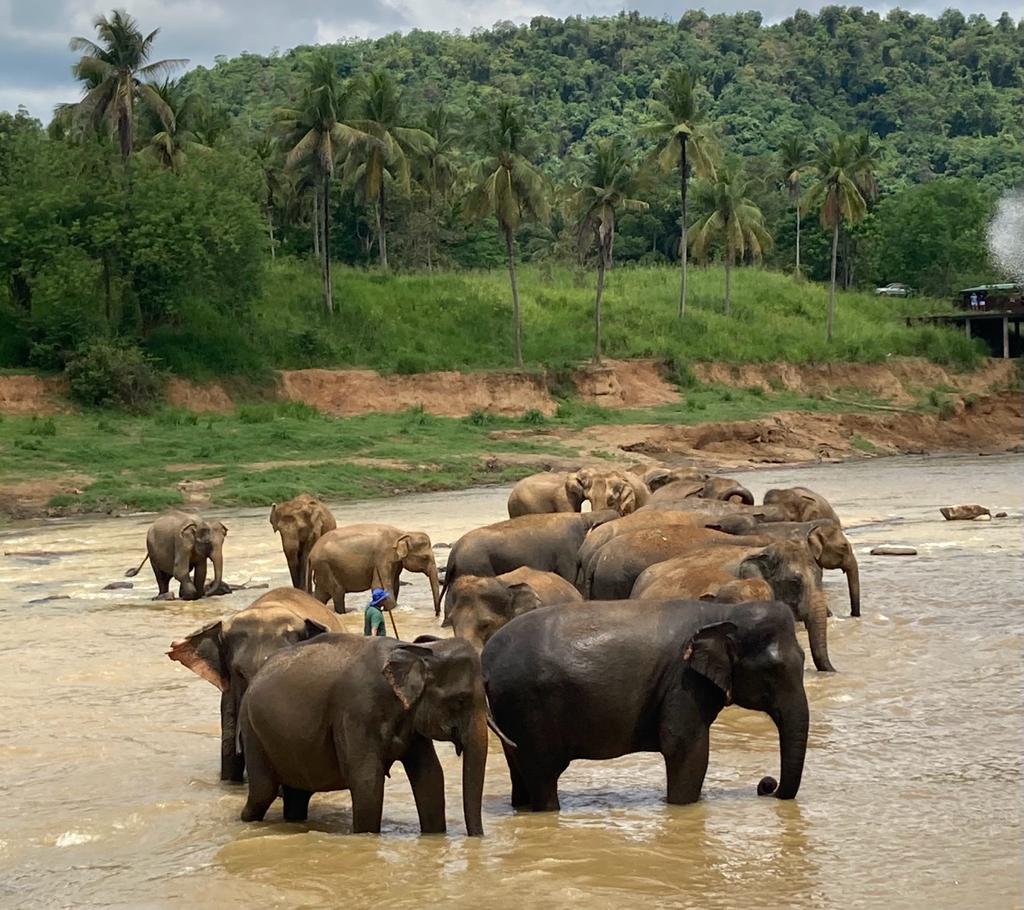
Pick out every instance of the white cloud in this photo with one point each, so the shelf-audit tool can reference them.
(40, 102)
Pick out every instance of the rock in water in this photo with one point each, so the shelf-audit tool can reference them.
(119, 586)
(964, 513)
(894, 551)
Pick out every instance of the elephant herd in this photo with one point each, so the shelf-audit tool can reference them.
(574, 635)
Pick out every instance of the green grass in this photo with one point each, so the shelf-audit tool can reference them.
(409, 323)
(268, 452)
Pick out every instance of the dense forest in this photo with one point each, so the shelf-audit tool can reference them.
(128, 217)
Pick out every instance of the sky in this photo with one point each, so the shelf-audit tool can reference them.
(35, 61)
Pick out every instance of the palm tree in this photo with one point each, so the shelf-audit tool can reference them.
(315, 131)
(378, 108)
(171, 138)
(795, 156)
(113, 71)
(438, 170)
(608, 185)
(837, 194)
(683, 142)
(272, 191)
(506, 185)
(730, 215)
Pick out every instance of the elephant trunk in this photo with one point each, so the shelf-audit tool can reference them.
(792, 723)
(435, 588)
(218, 568)
(852, 571)
(817, 631)
(474, 764)
(738, 493)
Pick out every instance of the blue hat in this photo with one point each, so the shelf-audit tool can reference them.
(378, 596)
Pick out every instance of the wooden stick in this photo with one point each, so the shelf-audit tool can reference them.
(875, 407)
(393, 626)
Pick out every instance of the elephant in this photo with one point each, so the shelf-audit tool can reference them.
(612, 570)
(829, 546)
(178, 544)
(801, 504)
(645, 518)
(607, 679)
(656, 478)
(229, 652)
(481, 606)
(363, 556)
(666, 580)
(301, 522)
(547, 543)
(553, 492)
(336, 712)
(626, 492)
(725, 489)
(786, 565)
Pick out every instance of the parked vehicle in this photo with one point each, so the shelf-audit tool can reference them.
(894, 290)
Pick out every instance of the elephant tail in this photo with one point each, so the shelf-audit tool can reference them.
(131, 573)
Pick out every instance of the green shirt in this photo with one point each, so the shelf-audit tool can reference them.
(373, 623)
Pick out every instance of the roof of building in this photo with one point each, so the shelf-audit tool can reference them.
(991, 287)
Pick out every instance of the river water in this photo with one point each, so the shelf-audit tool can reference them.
(911, 795)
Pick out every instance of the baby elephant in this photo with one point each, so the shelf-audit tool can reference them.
(178, 545)
(336, 712)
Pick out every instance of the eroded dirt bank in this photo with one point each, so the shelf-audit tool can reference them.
(613, 384)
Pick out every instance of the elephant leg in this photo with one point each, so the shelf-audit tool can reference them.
(427, 780)
(199, 579)
(263, 784)
(339, 599)
(520, 792)
(232, 763)
(163, 584)
(686, 763)
(367, 788)
(296, 803)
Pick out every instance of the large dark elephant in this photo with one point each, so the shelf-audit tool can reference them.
(229, 652)
(786, 565)
(336, 712)
(178, 545)
(829, 546)
(301, 522)
(801, 504)
(607, 679)
(548, 543)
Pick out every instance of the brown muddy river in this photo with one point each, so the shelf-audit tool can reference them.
(911, 795)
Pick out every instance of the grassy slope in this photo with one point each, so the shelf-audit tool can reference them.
(461, 320)
(269, 452)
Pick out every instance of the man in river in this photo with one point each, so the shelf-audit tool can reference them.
(373, 622)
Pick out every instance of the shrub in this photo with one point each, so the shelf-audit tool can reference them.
(110, 373)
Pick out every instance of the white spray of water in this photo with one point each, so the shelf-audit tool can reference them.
(1006, 235)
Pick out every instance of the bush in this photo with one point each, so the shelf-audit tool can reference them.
(108, 373)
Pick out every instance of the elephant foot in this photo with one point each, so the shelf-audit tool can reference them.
(216, 590)
(167, 595)
(232, 769)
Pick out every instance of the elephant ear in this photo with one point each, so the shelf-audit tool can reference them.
(402, 546)
(711, 652)
(203, 653)
(318, 522)
(273, 515)
(406, 671)
(816, 542)
(314, 628)
(523, 599)
(187, 533)
(575, 488)
(219, 528)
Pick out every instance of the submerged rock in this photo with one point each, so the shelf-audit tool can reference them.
(46, 600)
(893, 551)
(964, 513)
(119, 586)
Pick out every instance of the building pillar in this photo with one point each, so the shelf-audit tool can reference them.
(1006, 338)
(967, 326)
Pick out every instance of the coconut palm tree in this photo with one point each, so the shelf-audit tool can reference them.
(794, 158)
(171, 138)
(609, 184)
(506, 185)
(378, 113)
(116, 73)
(316, 131)
(728, 214)
(683, 142)
(272, 190)
(438, 171)
(836, 193)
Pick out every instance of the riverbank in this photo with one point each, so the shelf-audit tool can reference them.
(211, 451)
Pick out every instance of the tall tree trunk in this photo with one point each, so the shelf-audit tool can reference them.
(517, 325)
(109, 306)
(597, 306)
(798, 235)
(270, 230)
(683, 180)
(326, 252)
(832, 283)
(316, 225)
(382, 240)
(729, 254)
